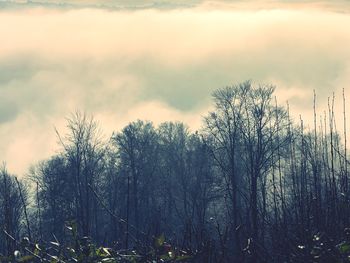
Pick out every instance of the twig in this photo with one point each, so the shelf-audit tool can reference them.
(24, 207)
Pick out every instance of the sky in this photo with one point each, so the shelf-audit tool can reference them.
(159, 61)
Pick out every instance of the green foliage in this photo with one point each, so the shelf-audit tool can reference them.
(82, 249)
(344, 247)
(323, 249)
(160, 241)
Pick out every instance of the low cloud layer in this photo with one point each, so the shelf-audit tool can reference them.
(336, 5)
(154, 64)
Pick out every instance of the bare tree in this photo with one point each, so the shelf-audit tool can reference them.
(11, 207)
(84, 150)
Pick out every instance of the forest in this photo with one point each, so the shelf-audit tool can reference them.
(254, 184)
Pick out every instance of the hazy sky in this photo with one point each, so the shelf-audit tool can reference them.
(157, 61)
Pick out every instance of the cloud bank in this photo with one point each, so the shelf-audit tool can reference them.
(156, 64)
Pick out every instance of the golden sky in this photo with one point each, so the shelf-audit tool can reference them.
(157, 61)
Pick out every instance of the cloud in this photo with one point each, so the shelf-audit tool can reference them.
(160, 65)
(336, 5)
(8, 111)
